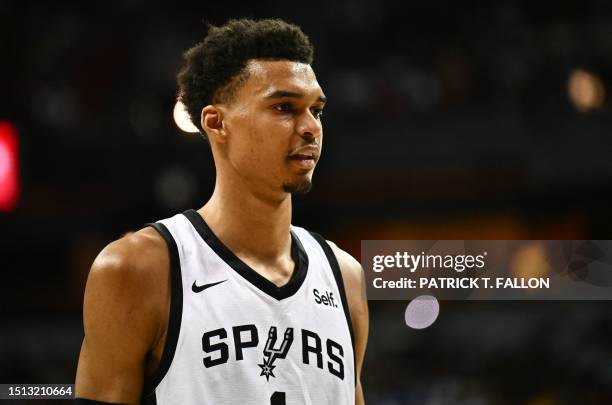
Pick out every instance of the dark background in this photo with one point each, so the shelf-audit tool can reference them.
(445, 121)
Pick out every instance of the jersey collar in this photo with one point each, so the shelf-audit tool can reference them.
(297, 253)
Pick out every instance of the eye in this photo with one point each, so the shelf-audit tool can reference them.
(317, 112)
(284, 107)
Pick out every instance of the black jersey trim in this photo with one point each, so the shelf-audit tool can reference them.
(174, 320)
(297, 252)
(333, 263)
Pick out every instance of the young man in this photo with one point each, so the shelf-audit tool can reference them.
(231, 304)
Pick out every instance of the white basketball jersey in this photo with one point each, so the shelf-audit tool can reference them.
(235, 338)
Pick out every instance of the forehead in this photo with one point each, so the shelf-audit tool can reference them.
(265, 77)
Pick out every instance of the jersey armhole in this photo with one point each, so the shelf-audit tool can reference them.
(174, 320)
(335, 267)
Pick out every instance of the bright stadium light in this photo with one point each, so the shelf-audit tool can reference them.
(181, 118)
(585, 90)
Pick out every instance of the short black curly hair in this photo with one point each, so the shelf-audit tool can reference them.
(215, 66)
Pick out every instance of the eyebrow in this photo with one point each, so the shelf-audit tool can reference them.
(291, 94)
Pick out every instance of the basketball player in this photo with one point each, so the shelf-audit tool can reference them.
(231, 304)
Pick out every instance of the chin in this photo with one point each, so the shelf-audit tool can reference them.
(298, 187)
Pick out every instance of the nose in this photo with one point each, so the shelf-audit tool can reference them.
(309, 126)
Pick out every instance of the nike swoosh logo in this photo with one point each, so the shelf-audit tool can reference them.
(199, 288)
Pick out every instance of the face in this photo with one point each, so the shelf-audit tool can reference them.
(273, 131)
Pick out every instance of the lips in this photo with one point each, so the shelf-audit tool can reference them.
(305, 153)
(306, 164)
(301, 156)
(305, 157)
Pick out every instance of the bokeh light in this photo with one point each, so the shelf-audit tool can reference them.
(182, 120)
(586, 91)
(422, 312)
(530, 261)
(9, 167)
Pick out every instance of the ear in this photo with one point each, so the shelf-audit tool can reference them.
(212, 123)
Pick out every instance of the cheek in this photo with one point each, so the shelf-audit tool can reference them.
(268, 139)
(243, 136)
(260, 144)
(254, 148)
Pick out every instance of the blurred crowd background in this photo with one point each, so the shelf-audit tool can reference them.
(446, 120)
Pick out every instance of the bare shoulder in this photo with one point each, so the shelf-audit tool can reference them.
(139, 257)
(131, 272)
(124, 317)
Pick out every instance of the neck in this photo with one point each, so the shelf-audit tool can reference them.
(248, 223)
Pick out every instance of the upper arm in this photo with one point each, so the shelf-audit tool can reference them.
(354, 285)
(121, 319)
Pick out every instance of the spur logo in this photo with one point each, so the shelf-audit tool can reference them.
(325, 354)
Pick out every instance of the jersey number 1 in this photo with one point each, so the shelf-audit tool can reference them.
(278, 398)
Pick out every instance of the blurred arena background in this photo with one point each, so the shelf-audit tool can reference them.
(446, 120)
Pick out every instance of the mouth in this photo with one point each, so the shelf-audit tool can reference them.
(303, 161)
(306, 157)
(305, 153)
